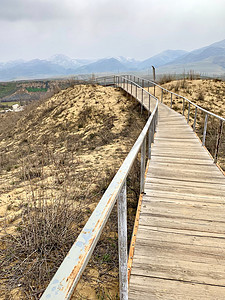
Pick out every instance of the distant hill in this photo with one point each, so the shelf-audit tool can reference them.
(103, 65)
(161, 59)
(209, 59)
(32, 69)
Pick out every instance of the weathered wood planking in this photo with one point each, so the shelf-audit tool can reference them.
(180, 246)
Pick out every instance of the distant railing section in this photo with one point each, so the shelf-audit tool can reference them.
(67, 276)
(149, 83)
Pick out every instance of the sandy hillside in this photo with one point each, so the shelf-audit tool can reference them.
(209, 94)
(56, 160)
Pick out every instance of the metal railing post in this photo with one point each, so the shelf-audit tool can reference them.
(149, 104)
(171, 100)
(153, 129)
(157, 116)
(142, 96)
(183, 106)
(143, 152)
(122, 242)
(142, 83)
(218, 141)
(150, 138)
(188, 112)
(162, 96)
(148, 85)
(194, 125)
(205, 130)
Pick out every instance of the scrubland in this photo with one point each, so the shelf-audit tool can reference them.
(57, 158)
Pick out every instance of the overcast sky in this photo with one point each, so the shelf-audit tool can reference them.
(103, 28)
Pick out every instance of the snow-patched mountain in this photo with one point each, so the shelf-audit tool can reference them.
(67, 62)
(128, 62)
(161, 59)
(209, 59)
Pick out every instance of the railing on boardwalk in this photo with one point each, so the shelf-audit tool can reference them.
(67, 276)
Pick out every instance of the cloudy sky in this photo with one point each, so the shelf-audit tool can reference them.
(102, 28)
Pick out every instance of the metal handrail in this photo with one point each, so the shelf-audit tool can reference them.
(197, 107)
(177, 95)
(67, 276)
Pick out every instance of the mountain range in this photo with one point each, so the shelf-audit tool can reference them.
(209, 59)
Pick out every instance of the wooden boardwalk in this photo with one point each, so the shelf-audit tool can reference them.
(180, 246)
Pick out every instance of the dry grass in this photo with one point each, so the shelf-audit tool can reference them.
(57, 159)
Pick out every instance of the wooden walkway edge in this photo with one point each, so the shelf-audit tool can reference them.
(180, 244)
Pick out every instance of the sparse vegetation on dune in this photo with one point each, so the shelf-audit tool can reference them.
(57, 158)
(210, 95)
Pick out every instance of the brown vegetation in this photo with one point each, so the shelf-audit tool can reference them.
(57, 158)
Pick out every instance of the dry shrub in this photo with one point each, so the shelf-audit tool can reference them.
(166, 78)
(43, 237)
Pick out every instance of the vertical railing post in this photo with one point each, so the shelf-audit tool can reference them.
(131, 88)
(114, 80)
(122, 242)
(149, 104)
(218, 141)
(205, 129)
(195, 118)
(136, 91)
(142, 83)
(183, 106)
(142, 96)
(153, 129)
(143, 153)
(127, 84)
(157, 115)
(150, 139)
(171, 100)
(154, 89)
(188, 112)
(162, 96)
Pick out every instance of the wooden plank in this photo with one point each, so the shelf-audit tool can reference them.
(188, 174)
(150, 288)
(185, 223)
(180, 161)
(177, 198)
(182, 182)
(183, 189)
(188, 210)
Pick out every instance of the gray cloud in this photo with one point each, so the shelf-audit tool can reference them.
(15, 10)
(98, 28)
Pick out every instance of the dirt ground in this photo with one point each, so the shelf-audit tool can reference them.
(57, 157)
